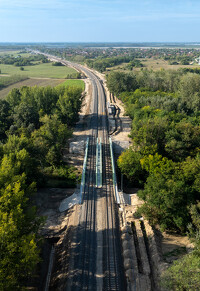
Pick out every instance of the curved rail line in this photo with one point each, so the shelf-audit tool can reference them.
(86, 241)
(113, 279)
(113, 266)
(85, 261)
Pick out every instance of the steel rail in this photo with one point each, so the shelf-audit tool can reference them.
(84, 278)
(113, 277)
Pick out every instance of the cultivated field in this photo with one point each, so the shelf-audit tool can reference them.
(40, 71)
(40, 74)
(42, 83)
(31, 83)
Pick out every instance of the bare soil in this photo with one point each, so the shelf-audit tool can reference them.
(161, 249)
(56, 224)
(174, 246)
(47, 201)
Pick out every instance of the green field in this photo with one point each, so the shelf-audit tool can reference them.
(30, 83)
(40, 71)
(42, 83)
(74, 83)
(14, 53)
(154, 64)
(10, 52)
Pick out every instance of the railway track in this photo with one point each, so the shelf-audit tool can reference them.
(110, 258)
(85, 258)
(113, 277)
(85, 251)
(112, 261)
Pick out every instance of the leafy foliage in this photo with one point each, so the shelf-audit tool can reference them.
(49, 139)
(35, 125)
(165, 112)
(129, 163)
(19, 61)
(118, 82)
(100, 64)
(184, 273)
(166, 143)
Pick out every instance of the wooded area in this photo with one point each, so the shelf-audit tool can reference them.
(35, 124)
(164, 159)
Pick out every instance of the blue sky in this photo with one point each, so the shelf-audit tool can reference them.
(99, 20)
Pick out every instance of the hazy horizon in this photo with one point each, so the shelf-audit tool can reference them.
(155, 45)
(99, 21)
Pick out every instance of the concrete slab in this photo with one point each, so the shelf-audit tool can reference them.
(119, 146)
(69, 202)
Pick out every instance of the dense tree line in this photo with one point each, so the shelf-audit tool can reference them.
(57, 64)
(22, 61)
(100, 64)
(35, 125)
(191, 70)
(164, 158)
(164, 107)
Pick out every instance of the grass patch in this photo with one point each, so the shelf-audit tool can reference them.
(40, 71)
(74, 83)
(176, 252)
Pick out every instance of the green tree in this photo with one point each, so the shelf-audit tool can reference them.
(19, 253)
(184, 273)
(189, 85)
(5, 119)
(130, 166)
(14, 97)
(150, 131)
(49, 139)
(69, 104)
(169, 190)
(19, 157)
(182, 140)
(25, 114)
(117, 82)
